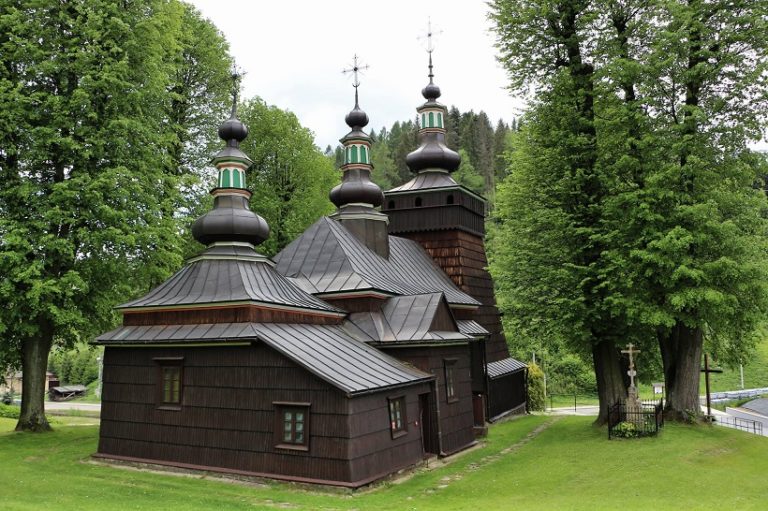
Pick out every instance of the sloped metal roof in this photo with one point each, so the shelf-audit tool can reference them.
(503, 367)
(471, 327)
(325, 350)
(423, 180)
(403, 319)
(329, 259)
(223, 280)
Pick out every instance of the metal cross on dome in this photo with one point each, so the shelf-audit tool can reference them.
(237, 75)
(632, 373)
(429, 36)
(356, 69)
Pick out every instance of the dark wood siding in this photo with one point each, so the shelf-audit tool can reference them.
(455, 419)
(227, 415)
(234, 314)
(462, 257)
(507, 393)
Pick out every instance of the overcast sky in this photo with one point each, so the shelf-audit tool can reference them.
(293, 52)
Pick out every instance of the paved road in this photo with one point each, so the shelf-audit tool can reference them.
(72, 405)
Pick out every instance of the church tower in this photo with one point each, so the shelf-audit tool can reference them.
(447, 219)
(357, 197)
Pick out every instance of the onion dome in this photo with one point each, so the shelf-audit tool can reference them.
(432, 154)
(231, 220)
(356, 187)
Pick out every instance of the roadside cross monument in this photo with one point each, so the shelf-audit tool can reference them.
(634, 408)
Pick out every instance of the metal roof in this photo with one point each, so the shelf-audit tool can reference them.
(327, 258)
(222, 280)
(471, 327)
(503, 367)
(405, 319)
(427, 179)
(327, 351)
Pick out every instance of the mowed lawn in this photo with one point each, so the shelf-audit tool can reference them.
(568, 465)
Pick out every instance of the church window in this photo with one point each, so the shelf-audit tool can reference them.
(397, 419)
(391, 205)
(450, 380)
(449, 199)
(292, 425)
(353, 155)
(225, 179)
(169, 386)
(418, 202)
(431, 119)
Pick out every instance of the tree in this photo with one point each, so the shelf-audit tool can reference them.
(290, 177)
(85, 161)
(669, 225)
(701, 251)
(542, 42)
(466, 174)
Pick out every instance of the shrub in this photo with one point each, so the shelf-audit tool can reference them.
(9, 412)
(569, 374)
(625, 430)
(536, 398)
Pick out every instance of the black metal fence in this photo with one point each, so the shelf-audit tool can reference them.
(626, 422)
(748, 425)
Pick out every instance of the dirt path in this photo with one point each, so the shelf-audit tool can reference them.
(487, 460)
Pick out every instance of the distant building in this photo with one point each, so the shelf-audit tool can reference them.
(352, 355)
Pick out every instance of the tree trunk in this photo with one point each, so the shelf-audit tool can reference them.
(34, 361)
(681, 356)
(610, 383)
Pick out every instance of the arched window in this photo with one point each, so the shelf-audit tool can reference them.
(225, 178)
(431, 119)
(353, 154)
(449, 199)
(236, 179)
(363, 154)
(439, 120)
(423, 120)
(418, 202)
(391, 205)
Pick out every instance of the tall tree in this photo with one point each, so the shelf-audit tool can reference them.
(290, 176)
(84, 162)
(542, 42)
(675, 224)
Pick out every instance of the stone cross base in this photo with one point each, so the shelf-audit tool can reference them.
(634, 407)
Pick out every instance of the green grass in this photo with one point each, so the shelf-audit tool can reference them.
(570, 465)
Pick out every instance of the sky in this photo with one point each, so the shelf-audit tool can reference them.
(293, 53)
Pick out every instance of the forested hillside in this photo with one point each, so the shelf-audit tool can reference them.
(480, 145)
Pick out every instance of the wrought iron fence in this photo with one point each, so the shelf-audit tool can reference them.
(628, 422)
(748, 425)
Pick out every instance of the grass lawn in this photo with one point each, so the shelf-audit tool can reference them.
(569, 465)
(755, 373)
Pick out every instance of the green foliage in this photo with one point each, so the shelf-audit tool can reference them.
(626, 430)
(76, 366)
(467, 176)
(536, 395)
(569, 374)
(632, 213)
(91, 171)
(9, 411)
(290, 177)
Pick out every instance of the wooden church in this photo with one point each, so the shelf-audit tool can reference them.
(369, 343)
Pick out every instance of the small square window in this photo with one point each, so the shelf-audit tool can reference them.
(169, 383)
(397, 418)
(450, 380)
(292, 425)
